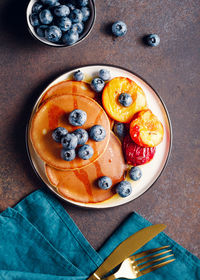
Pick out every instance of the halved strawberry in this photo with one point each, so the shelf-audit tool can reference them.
(135, 154)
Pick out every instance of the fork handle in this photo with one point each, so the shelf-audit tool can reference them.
(111, 277)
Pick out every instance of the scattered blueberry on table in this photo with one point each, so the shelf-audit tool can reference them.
(125, 99)
(77, 117)
(78, 75)
(68, 155)
(85, 152)
(69, 18)
(124, 188)
(104, 182)
(119, 28)
(152, 40)
(58, 133)
(97, 133)
(97, 84)
(135, 173)
(82, 136)
(69, 141)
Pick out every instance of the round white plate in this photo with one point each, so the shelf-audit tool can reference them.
(151, 171)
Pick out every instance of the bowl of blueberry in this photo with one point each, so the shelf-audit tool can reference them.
(60, 23)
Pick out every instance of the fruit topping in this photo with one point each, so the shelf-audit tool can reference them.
(119, 28)
(124, 188)
(97, 133)
(135, 154)
(77, 117)
(120, 129)
(152, 40)
(104, 74)
(110, 97)
(125, 99)
(78, 75)
(97, 84)
(135, 173)
(104, 182)
(85, 152)
(82, 136)
(146, 130)
(68, 155)
(69, 141)
(58, 133)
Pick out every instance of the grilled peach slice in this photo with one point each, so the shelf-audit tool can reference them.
(111, 94)
(53, 113)
(81, 185)
(146, 130)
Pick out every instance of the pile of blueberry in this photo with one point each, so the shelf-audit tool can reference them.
(75, 143)
(60, 21)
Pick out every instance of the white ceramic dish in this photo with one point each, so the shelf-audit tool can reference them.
(151, 171)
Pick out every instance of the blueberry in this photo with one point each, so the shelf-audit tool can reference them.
(97, 133)
(86, 13)
(97, 84)
(68, 155)
(49, 2)
(83, 3)
(53, 33)
(120, 129)
(76, 16)
(37, 7)
(70, 38)
(78, 75)
(85, 152)
(82, 136)
(41, 30)
(119, 28)
(64, 23)
(77, 117)
(104, 74)
(152, 40)
(62, 11)
(58, 133)
(78, 27)
(69, 141)
(104, 182)
(135, 173)
(124, 188)
(34, 20)
(71, 6)
(45, 16)
(125, 99)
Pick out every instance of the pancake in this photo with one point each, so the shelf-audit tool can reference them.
(81, 185)
(54, 113)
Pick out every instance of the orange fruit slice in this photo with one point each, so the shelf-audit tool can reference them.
(146, 130)
(69, 87)
(81, 185)
(54, 113)
(111, 94)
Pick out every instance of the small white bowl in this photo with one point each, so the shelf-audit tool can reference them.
(88, 26)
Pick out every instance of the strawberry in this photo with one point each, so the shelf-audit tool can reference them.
(135, 154)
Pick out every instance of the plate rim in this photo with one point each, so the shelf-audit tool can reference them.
(74, 203)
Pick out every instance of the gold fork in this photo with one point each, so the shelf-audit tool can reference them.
(142, 263)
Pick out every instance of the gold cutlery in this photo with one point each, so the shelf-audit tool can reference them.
(127, 248)
(142, 263)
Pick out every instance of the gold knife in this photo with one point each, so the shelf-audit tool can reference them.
(127, 248)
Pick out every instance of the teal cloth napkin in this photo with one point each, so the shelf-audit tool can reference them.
(39, 240)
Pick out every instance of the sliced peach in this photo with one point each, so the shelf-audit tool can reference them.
(146, 130)
(54, 113)
(111, 94)
(69, 87)
(81, 185)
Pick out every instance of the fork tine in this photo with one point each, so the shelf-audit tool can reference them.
(154, 261)
(142, 260)
(148, 252)
(154, 267)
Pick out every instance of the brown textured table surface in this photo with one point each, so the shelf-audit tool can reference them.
(172, 69)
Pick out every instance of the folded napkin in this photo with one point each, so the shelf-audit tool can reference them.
(38, 240)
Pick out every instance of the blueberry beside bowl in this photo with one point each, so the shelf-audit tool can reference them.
(58, 23)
